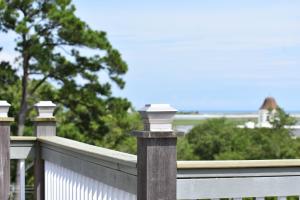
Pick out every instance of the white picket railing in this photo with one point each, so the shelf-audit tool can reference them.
(79, 171)
(64, 184)
(71, 170)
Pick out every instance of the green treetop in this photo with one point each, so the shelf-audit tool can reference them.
(60, 58)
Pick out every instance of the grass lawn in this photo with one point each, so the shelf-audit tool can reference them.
(183, 122)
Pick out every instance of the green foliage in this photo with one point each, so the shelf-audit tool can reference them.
(60, 59)
(282, 119)
(220, 139)
(185, 150)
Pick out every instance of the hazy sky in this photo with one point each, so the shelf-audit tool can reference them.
(204, 54)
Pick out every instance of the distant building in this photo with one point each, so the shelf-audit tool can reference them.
(267, 112)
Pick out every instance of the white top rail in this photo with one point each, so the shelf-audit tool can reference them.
(238, 163)
(238, 179)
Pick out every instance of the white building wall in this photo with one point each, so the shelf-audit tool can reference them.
(263, 118)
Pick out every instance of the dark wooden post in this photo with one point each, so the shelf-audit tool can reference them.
(4, 150)
(157, 167)
(45, 125)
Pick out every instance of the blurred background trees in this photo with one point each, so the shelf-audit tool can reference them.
(61, 58)
(221, 139)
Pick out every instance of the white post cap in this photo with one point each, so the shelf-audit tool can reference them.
(4, 107)
(158, 117)
(45, 109)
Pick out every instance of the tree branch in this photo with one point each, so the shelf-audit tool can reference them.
(39, 84)
(35, 73)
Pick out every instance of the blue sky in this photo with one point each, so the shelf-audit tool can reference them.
(204, 54)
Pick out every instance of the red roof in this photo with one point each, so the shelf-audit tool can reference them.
(269, 104)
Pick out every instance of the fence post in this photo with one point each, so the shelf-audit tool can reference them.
(45, 125)
(156, 154)
(4, 150)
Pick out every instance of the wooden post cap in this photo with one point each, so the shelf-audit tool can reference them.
(4, 107)
(158, 117)
(45, 109)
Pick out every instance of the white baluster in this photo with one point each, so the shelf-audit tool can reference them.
(56, 178)
(63, 182)
(46, 181)
(22, 179)
(50, 186)
(73, 186)
(94, 192)
(90, 189)
(100, 191)
(86, 188)
(58, 183)
(67, 185)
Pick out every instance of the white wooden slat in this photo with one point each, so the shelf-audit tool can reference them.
(86, 188)
(81, 180)
(62, 188)
(104, 192)
(54, 181)
(48, 180)
(59, 185)
(22, 179)
(260, 198)
(109, 193)
(100, 192)
(78, 186)
(94, 191)
(65, 184)
(73, 186)
(90, 190)
(51, 185)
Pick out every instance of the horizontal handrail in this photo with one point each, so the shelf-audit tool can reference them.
(215, 164)
(24, 144)
(22, 138)
(237, 179)
(28, 142)
(83, 149)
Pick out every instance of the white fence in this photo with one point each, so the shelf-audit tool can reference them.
(64, 184)
(76, 171)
